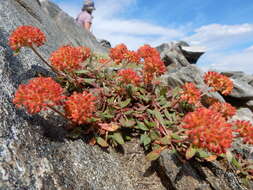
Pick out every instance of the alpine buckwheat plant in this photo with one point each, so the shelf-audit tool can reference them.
(129, 76)
(26, 36)
(118, 54)
(245, 130)
(80, 106)
(219, 82)
(190, 94)
(114, 99)
(225, 109)
(39, 94)
(68, 58)
(208, 129)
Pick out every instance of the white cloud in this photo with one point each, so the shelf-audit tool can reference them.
(240, 61)
(249, 48)
(216, 36)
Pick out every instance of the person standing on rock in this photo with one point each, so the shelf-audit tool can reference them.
(85, 17)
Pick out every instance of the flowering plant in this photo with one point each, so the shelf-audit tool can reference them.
(105, 101)
(219, 82)
(26, 36)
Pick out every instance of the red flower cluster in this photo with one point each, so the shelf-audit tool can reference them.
(219, 82)
(132, 57)
(80, 106)
(190, 94)
(103, 60)
(147, 51)
(225, 109)
(153, 65)
(129, 76)
(245, 130)
(86, 53)
(118, 53)
(208, 129)
(121, 53)
(38, 94)
(26, 36)
(68, 58)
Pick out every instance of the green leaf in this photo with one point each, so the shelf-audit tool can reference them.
(190, 152)
(229, 156)
(102, 142)
(118, 138)
(16, 52)
(159, 117)
(202, 153)
(175, 92)
(235, 163)
(165, 140)
(125, 103)
(82, 72)
(163, 91)
(89, 81)
(167, 114)
(141, 126)
(154, 135)
(127, 123)
(145, 139)
(106, 115)
(150, 111)
(128, 138)
(175, 136)
(154, 155)
(149, 124)
(145, 98)
(246, 182)
(129, 112)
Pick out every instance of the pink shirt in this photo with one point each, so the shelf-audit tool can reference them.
(83, 17)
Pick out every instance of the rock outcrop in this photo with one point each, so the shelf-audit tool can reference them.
(179, 54)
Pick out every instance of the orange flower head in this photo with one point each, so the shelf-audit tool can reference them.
(26, 36)
(67, 58)
(208, 129)
(118, 53)
(147, 51)
(219, 82)
(129, 76)
(103, 61)
(38, 94)
(225, 109)
(132, 57)
(86, 53)
(153, 66)
(80, 106)
(190, 94)
(245, 130)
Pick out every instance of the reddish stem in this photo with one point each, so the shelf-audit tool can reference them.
(61, 114)
(38, 54)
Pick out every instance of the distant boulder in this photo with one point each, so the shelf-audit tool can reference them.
(179, 54)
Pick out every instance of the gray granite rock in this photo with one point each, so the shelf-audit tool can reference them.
(250, 104)
(243, 114)
(192, 175)
(239, 75)
(179, 54)
(242, 90)
(33, 151)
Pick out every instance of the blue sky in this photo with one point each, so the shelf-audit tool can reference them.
(224, 28)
